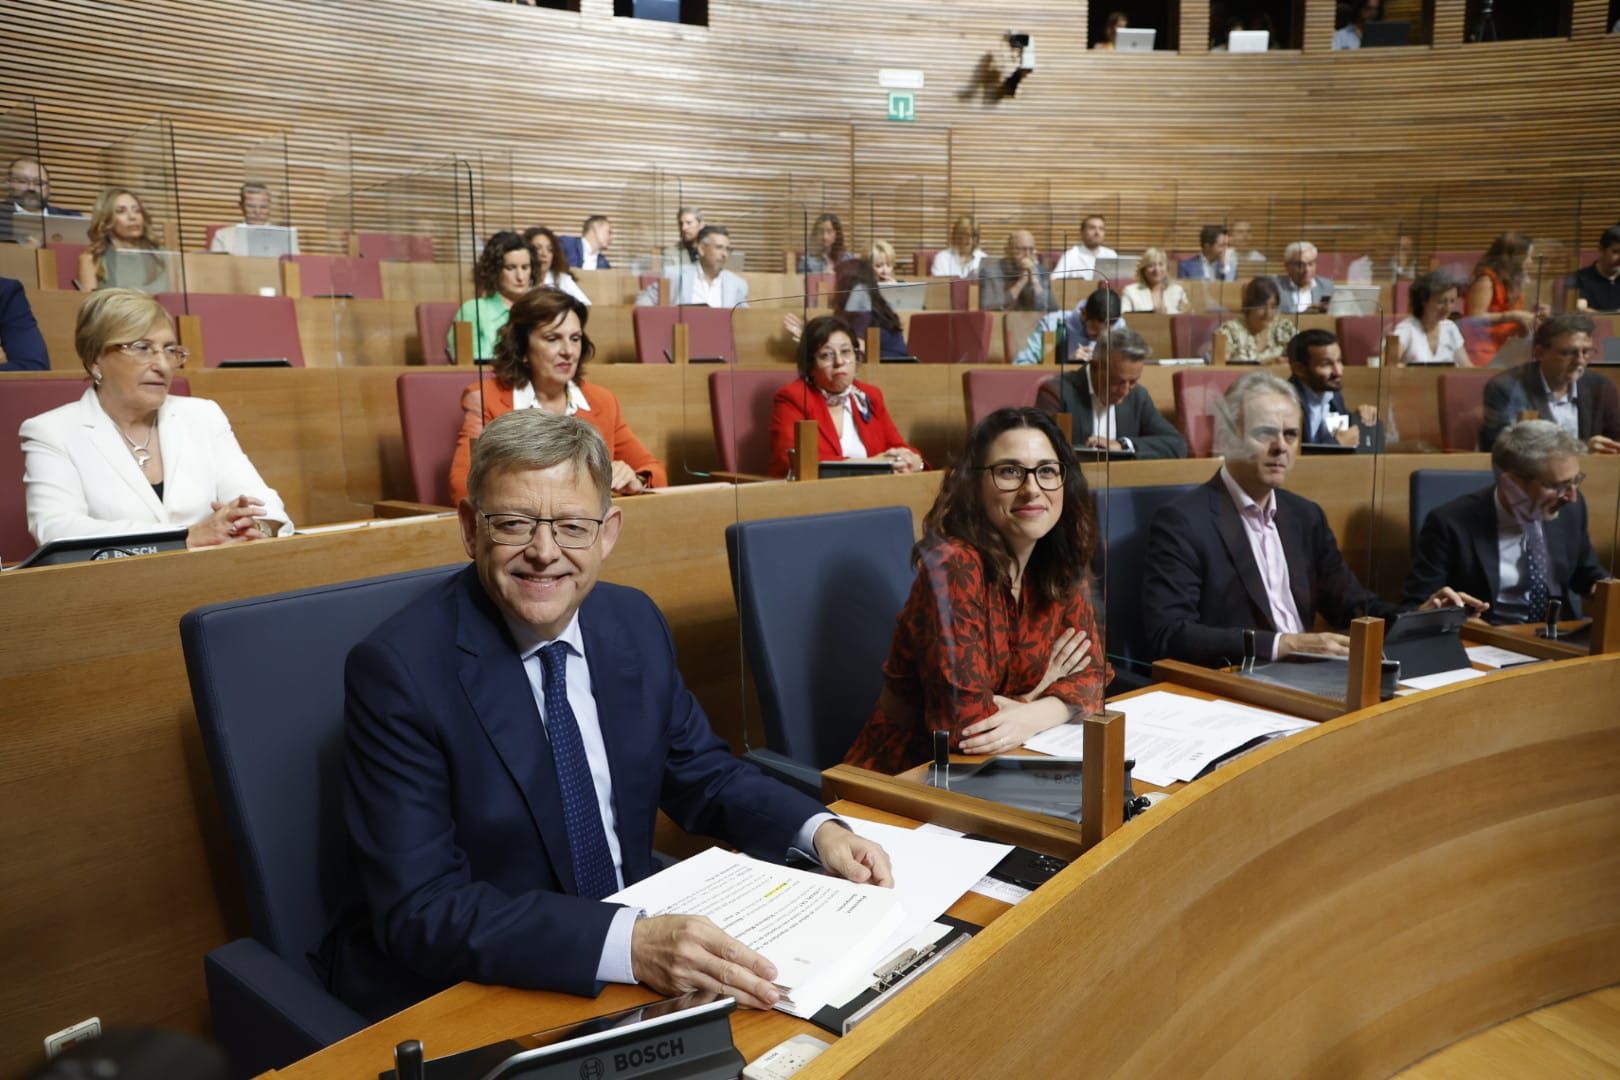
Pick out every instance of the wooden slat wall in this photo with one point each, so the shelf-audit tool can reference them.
(562, 114)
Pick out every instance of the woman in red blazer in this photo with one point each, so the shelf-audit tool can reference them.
(850, 414)
(539, 363)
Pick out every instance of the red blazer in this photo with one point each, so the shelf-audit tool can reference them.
(798, 400)
(603, 415)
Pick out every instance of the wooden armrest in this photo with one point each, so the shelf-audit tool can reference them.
(398, 508)
(740, 477)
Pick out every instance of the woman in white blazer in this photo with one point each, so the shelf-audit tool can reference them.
(129, 458)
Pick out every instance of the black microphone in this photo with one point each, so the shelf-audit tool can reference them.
(408, 1064)
(1555, 607)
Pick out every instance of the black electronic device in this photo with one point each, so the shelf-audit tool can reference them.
(861, 467)
(248, 363)
(1103, 453)
(73, 549)
(687, 1037)
(1023, 867)
(1427, 642)
(1313, 449)
(1325, 676)
(1386, 32)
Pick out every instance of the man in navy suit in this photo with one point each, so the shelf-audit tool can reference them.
(1211, 263)
(1240, 553)
(1316, 372)
(1523, 540)
(588, 250)
(22, 347)
(510, 739)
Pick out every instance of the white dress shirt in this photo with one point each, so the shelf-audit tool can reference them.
(1260, 527)
(1414, 344)
(949, 264)
(589, 257)
(524, 397)
(1081, 261)
(1102, 420)
(1295, 299)
(849, 440)
(566, 283)
(1512, 597)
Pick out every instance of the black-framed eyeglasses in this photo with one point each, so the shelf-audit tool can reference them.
(1567, 488)
(1010, 476)
(146, 350)
(517, 530)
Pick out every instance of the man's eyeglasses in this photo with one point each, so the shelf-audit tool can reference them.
(146, 350)
(517, 530)
(1567, 488)
(1010, 477)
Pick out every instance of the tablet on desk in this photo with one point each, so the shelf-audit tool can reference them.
(1427, 642)
(857, 467)
(1103, 453)
(247, 363)
(1327, 448)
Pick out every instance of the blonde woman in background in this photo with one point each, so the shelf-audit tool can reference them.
(1153, 290)
(122, 250)
(962, 258)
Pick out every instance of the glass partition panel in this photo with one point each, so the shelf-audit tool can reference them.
(145, 234)
(240, 252)
(25, 210)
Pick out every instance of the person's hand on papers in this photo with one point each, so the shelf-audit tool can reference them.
(676, 953)
(852, 857)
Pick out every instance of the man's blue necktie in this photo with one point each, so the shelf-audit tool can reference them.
(587, 839)
(1535, 569)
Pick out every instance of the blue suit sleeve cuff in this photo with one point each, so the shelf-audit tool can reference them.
(615, 965)
(805, 843)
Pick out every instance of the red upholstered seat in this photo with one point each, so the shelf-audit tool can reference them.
(67, 263)
(241, 327)
(1462, 408)
(1403, 296)
(740, 405)
(1361, 336)
(950, 337)
(1196, 393)
(922, 261)
(709, 334)
(987, 391)
(960, 294)
(1192, 335)
(429, 421)
(338, 275)
(22, 399)
(399, 247)
(433, 319)
(1016, 326)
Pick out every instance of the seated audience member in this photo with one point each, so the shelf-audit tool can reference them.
(1080, 261)
(860, 299)
(1016, 281)
(539, 363)
(588, 250)
(962, 258)
(1399, 265)
(121, 249)
(128, 457)
(1300, 291)
(1238, 247)
(1350, 19)
(709, 283)
(850, 415)
(689, 220)
(1259, 335)
(255, 202)
(897, 293)
(1520, 541)
(1212, 262)
(827, 246)
(503, 273)
(1107, 406)
(1556, 386)
(1316, 372)
(510, 738)
(1077, 331)
(28, 183)
(1153, 290)
(1496, 302)
(1429, 335)
(1111, 27)
(551, 270)
(998, 639)
(22, 346)
(1240, 553)
(1598, 286)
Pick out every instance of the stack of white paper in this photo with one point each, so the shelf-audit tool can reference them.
(821, 932)
(1493, 657)
(1175, 737)
(932, 870)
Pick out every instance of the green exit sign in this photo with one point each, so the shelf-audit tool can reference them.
(902, 106)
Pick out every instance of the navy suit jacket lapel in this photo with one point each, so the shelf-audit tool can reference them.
(616, 686)
(1230, 525)
(499, 692)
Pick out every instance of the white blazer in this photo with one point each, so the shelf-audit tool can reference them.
(81, 479)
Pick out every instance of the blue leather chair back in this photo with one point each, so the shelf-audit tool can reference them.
(267, 679)
(1431, 488)
(1124, 516)
(818, 597)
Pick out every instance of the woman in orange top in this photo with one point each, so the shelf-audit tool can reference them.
(539, 363)
(1496, 312)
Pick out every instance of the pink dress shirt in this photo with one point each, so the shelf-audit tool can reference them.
(1260, 526)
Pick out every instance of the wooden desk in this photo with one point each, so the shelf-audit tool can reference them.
(1524, 638)
(471, 1015)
